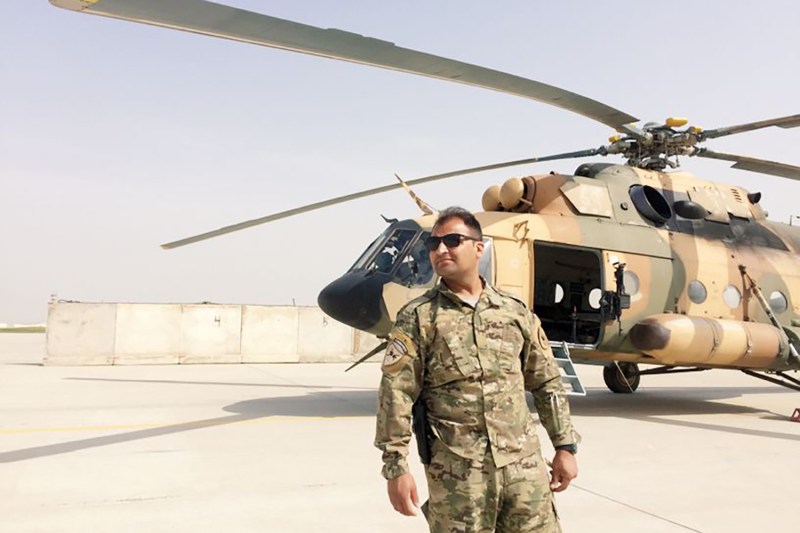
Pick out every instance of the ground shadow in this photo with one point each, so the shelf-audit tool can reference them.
(668, 401)
(321, 404)
(314, 404)
(645, 406)
(654, 405)
(222, 383)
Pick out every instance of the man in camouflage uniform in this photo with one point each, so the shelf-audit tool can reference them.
(469, 352)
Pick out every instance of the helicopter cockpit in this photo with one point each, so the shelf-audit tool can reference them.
(401, 253)
(397, 256)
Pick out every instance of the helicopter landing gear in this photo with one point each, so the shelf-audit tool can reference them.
(622, 378)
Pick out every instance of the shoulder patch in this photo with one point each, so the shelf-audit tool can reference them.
(543, 342)
(400, 346)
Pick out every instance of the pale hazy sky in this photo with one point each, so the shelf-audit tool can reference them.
(116, 137)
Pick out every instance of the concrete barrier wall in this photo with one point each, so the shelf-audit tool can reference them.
(320, 338)
(211, 333)
(81, 334)
(126, 334)
(146, 333)
(269, 334)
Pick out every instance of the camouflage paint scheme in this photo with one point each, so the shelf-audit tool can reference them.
(597, 214)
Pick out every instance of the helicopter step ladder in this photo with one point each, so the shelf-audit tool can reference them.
(569, 376)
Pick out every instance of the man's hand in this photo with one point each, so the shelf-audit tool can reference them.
(565, 469)
(403, 494)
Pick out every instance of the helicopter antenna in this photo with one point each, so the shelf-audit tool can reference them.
(425, 206)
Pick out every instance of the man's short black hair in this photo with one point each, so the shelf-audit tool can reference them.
(465, 216)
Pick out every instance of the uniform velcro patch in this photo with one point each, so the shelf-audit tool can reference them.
(400, 346)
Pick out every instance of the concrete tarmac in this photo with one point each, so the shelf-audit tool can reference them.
(288, 448)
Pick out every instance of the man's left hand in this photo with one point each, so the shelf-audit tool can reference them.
(565, 469)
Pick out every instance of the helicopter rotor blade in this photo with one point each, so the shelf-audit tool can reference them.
(755, 165)
(370, 192)
(791, 121)
(208, 18)
(633, 131)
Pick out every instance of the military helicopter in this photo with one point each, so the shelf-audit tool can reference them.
(625, 264)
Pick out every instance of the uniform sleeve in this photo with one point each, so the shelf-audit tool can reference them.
(399, 388)
(543, 379)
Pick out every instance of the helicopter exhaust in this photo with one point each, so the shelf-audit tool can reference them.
(686, 340)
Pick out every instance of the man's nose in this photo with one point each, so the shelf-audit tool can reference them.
(441, 248)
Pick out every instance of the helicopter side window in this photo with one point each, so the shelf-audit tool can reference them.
(778, 302)
(731, 296)
(697, 291)
(485, 262)
(391, 251)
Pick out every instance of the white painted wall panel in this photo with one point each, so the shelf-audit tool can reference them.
(321, 338)
(148, 334)
(363, 343)
(211, 333)
(100, 333)
(269, 334)
(80, 334)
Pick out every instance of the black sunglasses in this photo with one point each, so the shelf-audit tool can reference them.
(451, 240)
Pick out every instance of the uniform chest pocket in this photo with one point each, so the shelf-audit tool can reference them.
(510, 348)
(453, 354)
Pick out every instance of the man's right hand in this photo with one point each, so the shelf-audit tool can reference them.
(403, 494)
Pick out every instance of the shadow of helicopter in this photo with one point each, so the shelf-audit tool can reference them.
(660, 406)
(668, 401)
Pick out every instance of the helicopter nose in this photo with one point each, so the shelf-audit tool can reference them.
(356, 299)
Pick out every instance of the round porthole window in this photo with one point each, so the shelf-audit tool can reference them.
(631, 282)
(731, 296)
(777, 301)
(594, 298)
(697, 292)
(558, 293)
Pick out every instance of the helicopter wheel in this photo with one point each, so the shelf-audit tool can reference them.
(622, 378)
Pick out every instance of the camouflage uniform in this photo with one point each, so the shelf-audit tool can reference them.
(487, 472)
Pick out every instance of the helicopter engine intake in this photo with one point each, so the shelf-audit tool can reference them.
(516, 195)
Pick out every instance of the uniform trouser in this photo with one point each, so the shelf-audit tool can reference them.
(467, 496)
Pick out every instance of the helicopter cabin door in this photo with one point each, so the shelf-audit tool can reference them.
(568, 286)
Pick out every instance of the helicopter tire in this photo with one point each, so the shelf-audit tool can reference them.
(622, 378)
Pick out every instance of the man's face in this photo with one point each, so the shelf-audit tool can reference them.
(459, 261)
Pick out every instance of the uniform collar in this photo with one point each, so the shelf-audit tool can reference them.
(488, 293)
(493, 296)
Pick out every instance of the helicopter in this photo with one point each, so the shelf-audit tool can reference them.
(626, 264)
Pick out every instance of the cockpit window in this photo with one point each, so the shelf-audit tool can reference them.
(370, 251)
(391, 250)
(402, 253)
(415, 269)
